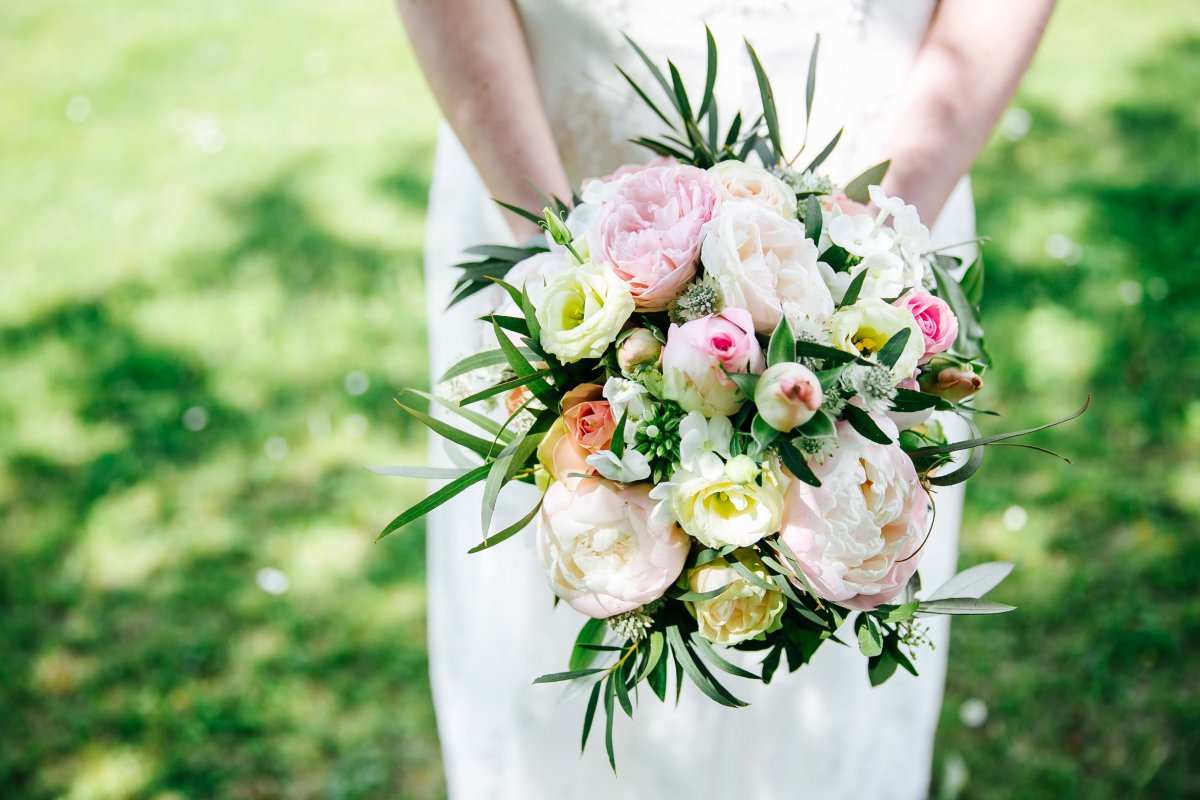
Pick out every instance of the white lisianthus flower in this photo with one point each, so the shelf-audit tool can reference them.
(532, 275)
(737, 509)
(702, 441)
(581, 311)
(737, 180)
(602, 552)
(858, 535)
(631, 467)
(865, 327)
(765, 264)
(860, 234)
(744, 610)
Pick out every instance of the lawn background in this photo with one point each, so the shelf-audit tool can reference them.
(210, 239)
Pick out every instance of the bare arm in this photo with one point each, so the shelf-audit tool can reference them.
(964, 75)
(476, 59)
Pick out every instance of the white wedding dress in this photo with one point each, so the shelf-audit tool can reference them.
(821, 732)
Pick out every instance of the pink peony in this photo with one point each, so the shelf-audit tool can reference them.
(649, 231)
(700, 352)
(937, 322)
(857, 536)
(602, 550)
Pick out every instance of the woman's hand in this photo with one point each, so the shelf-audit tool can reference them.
(965, 73)
(477, 61)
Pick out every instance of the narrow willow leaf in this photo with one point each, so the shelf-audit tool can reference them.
(963, 605)
(814, 350)
(893, 348)
(735, 128)
(536, 219)
(646, 99)
(434, 500)
(697, 596)
(488, 358)
(590, 714)
(650, 65)
(610, 692)
(555, 677)
(900, 613)
(795, 462)
(530, 313)
(810, 86)
(700, 676)
(854, 289)
(768, 104)
(504, 386)
(661, 148)
(481, 446)
(781, 349)
(861, 421)
(655, 655)
(658, 675)
(748, 574)
(623, 691)
(963, 473)
(969, 443)
(907, 400)
(509, 532)
(856, 189)
(710, 79)
(974, 582)
(482, 420)
(972, 282)
(717, 660)
(502, 252)
(813, 219)
(714, 134)
(824, 154)
(509, 323)
(432, 473)
(521, 366)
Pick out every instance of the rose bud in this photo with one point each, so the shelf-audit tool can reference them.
(639, 348)
(788, 395)
(951, 383)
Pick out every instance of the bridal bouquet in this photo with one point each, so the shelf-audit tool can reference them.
(721, 371)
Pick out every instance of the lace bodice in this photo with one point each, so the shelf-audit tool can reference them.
(867, 48)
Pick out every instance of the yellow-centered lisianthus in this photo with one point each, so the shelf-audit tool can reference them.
(742, 506)
(865, 327)
(581, 311)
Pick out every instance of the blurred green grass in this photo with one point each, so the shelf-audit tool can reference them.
(210, 226)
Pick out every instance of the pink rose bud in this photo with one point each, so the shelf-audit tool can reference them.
(639, 348)
(649, 231)
(937, 322)
(951, 383)
(788, 395)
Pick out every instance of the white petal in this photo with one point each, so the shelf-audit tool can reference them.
(720, 434)
(711, 467)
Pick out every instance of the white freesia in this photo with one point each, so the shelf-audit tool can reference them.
(765, 264)
(737, 180)
(627, 399)
(911, 236)
(702, 442)
(581, 311)
(865, 327)
(860, 234)
(730, 510)
(629, 468)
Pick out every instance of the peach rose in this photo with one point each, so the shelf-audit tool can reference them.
(586, 425)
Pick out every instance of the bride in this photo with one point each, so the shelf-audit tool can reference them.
(534, 104)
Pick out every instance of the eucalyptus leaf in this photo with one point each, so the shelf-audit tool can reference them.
(434, 500)
(963, 605)
(781, 349)
(856, 189)
(590, 714)
(557, 677)
(893, 348)
(813, 220)
(973, 582)
(509, 532)
(820, 159)
(768, 104)
(432, 473)
(865, 426)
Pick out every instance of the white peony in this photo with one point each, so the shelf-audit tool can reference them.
(857, 535)
(581, 311)
(737, 180)
(764, 264)
(602, 551)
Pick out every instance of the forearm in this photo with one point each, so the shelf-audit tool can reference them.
(475, 56)
(964, 76)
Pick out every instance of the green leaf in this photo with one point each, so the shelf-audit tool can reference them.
(717, 660)
(965, 472)
(870, 639)
(592, 632)
(907, 400)
(893, 348)
(814, 350)
(974, 582)
(861, 421)
(657, 641)
(768, 104)
(820, 426)
(623, 689)
(856, 189)
(658, 673)
(505, 386)
(745, 381)
(970, 333)
(795, 462)
(699, 674)
(881, 667)
(824, 154)
(748, 574)
(555, 677)
(488, 358)
(661, 148)
(483, 421)
(762, 432)
(900, 613)
(854, 289)
(501, 252)
(812, 218)
(482, 447)
(963, 605)
(972, 282)
(617, 446)
(509, 323)
(646, 99)
(710, 79)
(680, 93)
(654, 70)
(431, 473)
(810, 86)
(590, 714)
(735, 128)
(434, 500)
(610, 692)
(526, 304)
(536, 219)
(521, 366)
(976, 442)
(509, 532)
(692, 597)
(782, 347)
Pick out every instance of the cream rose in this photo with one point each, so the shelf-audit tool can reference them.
(737, 180)
(581, 311)
(857, 536)
(602, 551)
(739, 508)
(743, 611)
(764, 264)
(865, 327)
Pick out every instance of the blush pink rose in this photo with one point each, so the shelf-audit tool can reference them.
(700, 352)
(938, 324)
(602, 548)
(649, 231)
(585, 426)
(857, 537)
